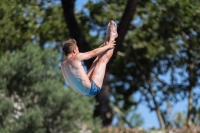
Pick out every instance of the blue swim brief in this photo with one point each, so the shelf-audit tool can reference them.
(93, 90)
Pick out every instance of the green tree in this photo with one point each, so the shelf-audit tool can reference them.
(23, 22)
(163, 58)
(33, 98)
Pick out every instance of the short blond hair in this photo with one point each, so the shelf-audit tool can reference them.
(69, 46)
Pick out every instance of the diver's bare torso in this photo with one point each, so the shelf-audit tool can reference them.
(75, 75)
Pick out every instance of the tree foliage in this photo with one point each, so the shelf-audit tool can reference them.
(23, 22)
(162, 63)
(32, 95)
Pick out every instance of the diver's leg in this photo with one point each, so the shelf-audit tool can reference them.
(97, 70)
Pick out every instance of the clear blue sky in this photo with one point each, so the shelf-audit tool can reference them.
(150, 118)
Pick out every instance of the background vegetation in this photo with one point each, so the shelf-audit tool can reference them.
(156, 57)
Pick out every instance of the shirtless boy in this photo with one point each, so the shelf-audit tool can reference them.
(90, 83)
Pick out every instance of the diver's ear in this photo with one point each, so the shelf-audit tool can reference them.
(74, 51)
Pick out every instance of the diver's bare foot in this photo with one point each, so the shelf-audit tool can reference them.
(111, 32)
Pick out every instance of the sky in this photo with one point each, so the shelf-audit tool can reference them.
(150, 118)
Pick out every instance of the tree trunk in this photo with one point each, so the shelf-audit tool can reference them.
(158, 112)
(103, 97)
(103, 108)
(191, 85)
(124, 24)
(74, 30)
(190, 101)
(157, 109)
